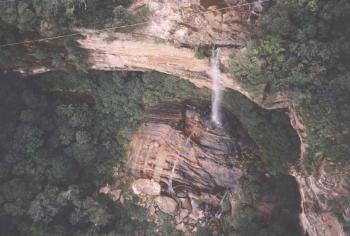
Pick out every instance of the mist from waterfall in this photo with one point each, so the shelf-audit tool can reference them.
(216, 87)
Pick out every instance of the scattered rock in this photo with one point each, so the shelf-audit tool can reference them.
(115, 194)
(196, 213)
(185, 203)
(145, 186)
(169, 16)
(121, 199)
(166, 204)
(105, 190)
(116, 184)
(195, 229)
(182, 215)
(181, 227)
(152, 210)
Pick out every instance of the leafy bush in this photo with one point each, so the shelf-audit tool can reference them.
(59, 147)
(303, 47)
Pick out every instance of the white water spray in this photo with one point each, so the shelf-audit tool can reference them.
(216, 93)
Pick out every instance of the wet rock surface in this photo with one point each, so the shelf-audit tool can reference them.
(194, 162)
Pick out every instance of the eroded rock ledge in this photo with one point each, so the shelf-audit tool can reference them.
(127, 52)
(324, 194)
(174, 22)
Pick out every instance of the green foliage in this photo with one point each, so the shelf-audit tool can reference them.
(281, 148)
(71, 130)
(58, 148)
(47, 17)
(252, 216)
(35, 19)
(303, 47)
(202, 52)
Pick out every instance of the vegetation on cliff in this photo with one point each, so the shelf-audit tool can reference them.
(62, 134)
(36, 19)
(302, 49)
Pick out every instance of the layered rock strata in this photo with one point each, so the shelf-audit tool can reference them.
(192, 162)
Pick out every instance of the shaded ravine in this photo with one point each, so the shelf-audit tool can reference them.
(149, 55)
(170, 59)
(204, 166)
(128, 53)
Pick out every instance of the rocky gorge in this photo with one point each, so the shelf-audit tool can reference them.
(312, 188)
(181, 167)
(179, 24)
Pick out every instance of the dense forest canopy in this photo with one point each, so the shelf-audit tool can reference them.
(36, 19)
(62, 135)
(63, 132)
(302, 48)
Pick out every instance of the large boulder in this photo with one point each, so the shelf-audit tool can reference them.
(166, 204)
(146, 186)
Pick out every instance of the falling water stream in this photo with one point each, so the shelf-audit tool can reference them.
(216, 90)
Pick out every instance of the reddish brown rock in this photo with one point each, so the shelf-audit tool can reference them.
(166, 204)
(176, 148)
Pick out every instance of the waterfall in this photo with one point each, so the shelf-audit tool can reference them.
(170, 185)
(216, 90)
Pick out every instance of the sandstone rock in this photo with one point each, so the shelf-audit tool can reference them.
(183, 214)
(121, 199)
(168, 16)
(330, 185)
(190, 160)
(146, 186)
(115, 194)
(166, 204)
(185, 203)
(181, 227)
(196, 213)
(116, 184)
(152, 210)
(105, 189)
(182, 149)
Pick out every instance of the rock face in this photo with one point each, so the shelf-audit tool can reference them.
(127, 52)
(325, 194)
(197, 22)
(325, 200)
(175, 148)
(179, 23)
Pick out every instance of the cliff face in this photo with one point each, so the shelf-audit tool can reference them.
(163, 43)
(191, 22)
(128, 52)
(324, 194)
(189, 162)
(196, 22)
(172, 26)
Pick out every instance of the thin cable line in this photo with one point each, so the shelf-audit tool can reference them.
(105, 29)
(73, 34)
